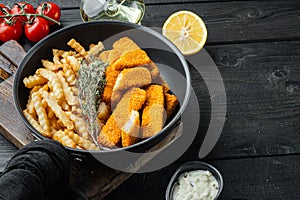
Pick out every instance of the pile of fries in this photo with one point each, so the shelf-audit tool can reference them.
(53, 106)
(133, 87)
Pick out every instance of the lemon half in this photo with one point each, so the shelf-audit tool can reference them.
(186, 30)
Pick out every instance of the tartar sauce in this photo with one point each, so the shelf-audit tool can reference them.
(196, 185)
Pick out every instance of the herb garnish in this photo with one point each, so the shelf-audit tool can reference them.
(90, 84)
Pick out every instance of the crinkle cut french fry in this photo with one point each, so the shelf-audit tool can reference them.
(54, 82)
(64, 61)
(59, 123)
(69, 96)
(51, 66)
(69, 74)
(75, 45)
(30, 106)
(34, 80)
(35, 124)
(65, 106)
(64, 139)
(76, 110)
(56, 56)
(41, 111)
(96, 49)
(50, 113)
(80, 125)
(86, 144)
(75, 64)
(53, 130)
(89, 145)
(59, 113)
(55, 123)
(78, 147)
(103, 112)
(67, 53)
(44, 103)
(75, 90)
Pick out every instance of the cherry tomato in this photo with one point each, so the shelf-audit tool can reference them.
(37, 30)
(10, 32)
(20, 8)
(2, 12)
(2, 6)
(49, 9)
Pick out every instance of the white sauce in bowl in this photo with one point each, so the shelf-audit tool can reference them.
(196, 185)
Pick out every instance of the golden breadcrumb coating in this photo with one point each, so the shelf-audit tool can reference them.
(155, 95)
(110, 134)
(131, 59)
(160, 81)
(121, 46)
(105, 55)
(171, 102)
(154, 71)
(125, 44)
(153, 116)
(131, 129)
(133, 77)
(107, 93)
(119, 123)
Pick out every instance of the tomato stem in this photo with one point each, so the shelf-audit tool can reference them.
(11, 16)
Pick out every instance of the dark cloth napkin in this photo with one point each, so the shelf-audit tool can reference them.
(39, 171)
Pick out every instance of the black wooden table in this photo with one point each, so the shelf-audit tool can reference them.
(256, 46)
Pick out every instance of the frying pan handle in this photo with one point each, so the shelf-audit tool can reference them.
(36, 138)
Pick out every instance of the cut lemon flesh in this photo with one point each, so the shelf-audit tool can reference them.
(186, 30)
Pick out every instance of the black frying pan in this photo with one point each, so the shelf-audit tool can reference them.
(159, 49)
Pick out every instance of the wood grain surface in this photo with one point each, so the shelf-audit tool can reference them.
(11, 125)
(262, 81)
(275, 178)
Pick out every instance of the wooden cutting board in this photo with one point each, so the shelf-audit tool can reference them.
(94, 179)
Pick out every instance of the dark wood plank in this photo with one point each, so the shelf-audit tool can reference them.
(11, 125)
(13, 52)
(6, 151)
(255, 178)
(261, 178)
(262, 83)
(95, 179)
(237, 21)
(5, 69)
(6, 65)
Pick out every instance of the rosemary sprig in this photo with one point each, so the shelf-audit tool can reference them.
(90, 83)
